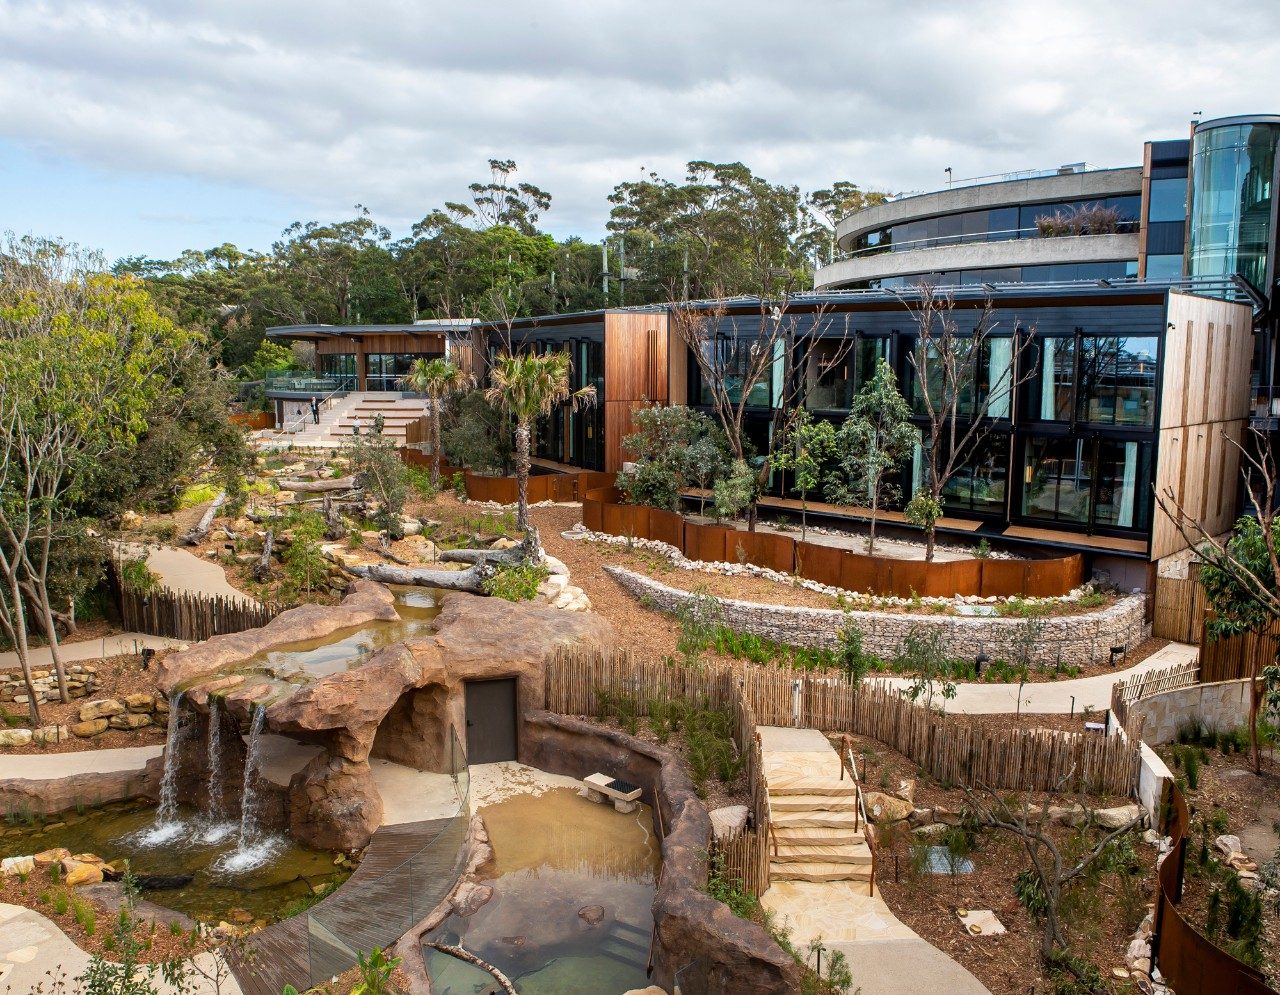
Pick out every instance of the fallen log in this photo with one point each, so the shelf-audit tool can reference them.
(263, 570)
(318, 486)
(471, 958)
(198, 534)
(529, 551)
(470, 580)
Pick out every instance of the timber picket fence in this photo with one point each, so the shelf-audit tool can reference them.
(948, 750)
(1124, 693)
(190, 617)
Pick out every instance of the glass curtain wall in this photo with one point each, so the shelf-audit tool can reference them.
(385, 370)
(1233, 170)
(340, 366)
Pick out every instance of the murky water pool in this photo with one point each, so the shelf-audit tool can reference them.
(214, 893)
(573, 886)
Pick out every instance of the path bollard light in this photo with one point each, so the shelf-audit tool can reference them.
(980, 663)
(1116, 653)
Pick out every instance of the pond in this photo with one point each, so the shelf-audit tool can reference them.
(573, 886)
(267, 892)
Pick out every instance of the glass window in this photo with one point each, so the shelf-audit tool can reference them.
(1052, 388)
(1124, 473)
(1057, 480)
(982, 483)
(735, 361)
(1168, 201)
(1117, 381)
(1164, 267)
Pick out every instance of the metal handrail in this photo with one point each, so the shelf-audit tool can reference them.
(860, 815)
(302, 418)
(937, 241)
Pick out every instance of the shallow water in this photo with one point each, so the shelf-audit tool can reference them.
(554, 855)
(122, 830)
(292, 665)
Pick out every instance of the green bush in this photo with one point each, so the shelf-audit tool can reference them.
(515, 583)
(137, 577)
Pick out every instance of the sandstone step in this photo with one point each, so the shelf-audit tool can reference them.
(811, 786)
(818, 871)
(821, 853)
(838, 820)
(816, 835)
(806, 803)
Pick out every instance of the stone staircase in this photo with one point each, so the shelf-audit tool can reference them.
(817, 831)
(339, 418)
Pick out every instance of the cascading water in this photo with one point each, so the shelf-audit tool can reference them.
(217, 827)
(253, 848)
(167, 825)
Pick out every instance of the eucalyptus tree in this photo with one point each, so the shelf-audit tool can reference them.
(805, 452)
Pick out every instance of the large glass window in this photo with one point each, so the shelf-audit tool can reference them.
(837, 369)
(735, 362)
(1100, 483)
(1164, 267)
(1052, 393)
(1168, 200)
(340, 366)
(1117, 381)
(385, 370)
(1057, 481)
(981, 484)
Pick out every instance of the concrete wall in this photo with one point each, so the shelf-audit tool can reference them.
(1042, 189)
(1224, 706)
(1074, 640)
(980, 255)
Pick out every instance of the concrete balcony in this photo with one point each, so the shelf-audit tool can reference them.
(978, 255)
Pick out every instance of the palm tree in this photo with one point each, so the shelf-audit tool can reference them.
(528, 387)
(439, 379)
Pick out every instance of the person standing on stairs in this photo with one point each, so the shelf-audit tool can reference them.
(315, 411)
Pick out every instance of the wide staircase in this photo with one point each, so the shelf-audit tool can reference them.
(340, 416)
(818, 832)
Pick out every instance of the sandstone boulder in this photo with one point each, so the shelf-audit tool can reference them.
(140, 702)
(15, 737)
(11, 866)
(76, 873)
(334, 804)
(883, 808)
(728, 820)
(129, 720)
(51, 734)
(1114, 818)
(104, 709)
(469, 897)
(1227, 845)
(87, 730)
(592, 915)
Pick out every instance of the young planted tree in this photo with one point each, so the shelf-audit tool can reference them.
(1240, 574)
(874, 441)
(440, 380)
(673, 446)
(807, 449)
(748, 362)
(377, 469)
(964, 382)
(528, 387)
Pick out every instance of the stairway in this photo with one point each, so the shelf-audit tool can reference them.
(338, 420)
(626, 943)
(815, 828)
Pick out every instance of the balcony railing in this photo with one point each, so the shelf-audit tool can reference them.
(1002, 235)
(306, 384)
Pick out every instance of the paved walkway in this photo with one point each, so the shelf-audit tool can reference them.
(47, 766)
(885, 956)
(182, 570)
(101, 648)
(32, 947)
(1054, 696)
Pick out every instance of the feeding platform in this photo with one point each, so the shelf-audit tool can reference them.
(602, 788)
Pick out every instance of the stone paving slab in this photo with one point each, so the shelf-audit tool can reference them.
(47, 766)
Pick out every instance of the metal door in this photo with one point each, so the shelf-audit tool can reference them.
(491, 720)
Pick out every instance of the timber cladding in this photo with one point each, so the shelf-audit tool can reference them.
(1204, 410)
(636, 350)
(852, 571)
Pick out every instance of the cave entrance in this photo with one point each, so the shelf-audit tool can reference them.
(491, 720)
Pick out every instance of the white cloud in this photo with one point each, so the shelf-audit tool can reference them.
(398, 103)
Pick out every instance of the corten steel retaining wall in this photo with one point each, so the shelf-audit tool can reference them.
(1190, 963)
(503, 490)
(1073, 640)
(602, 511)
(253, 420)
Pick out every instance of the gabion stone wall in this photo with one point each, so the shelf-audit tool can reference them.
(1073, 640)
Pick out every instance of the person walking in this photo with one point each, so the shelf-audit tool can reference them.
(315, 411)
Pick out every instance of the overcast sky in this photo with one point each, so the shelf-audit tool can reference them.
(149, 127)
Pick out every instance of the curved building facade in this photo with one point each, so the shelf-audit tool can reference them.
(1074, 223)
(1233, 227)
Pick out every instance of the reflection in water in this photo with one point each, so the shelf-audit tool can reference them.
(556, 856)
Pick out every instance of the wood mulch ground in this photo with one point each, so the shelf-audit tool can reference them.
(117, 677)
(1008, 964)
(159, 942)
(1231, 799)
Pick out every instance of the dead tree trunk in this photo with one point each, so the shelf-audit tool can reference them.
(263, 570)
(318, 486)
(334, 529)
(471, 958)
(470, 580)
(198, 534)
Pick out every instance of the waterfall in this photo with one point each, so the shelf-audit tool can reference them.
(167, 811)
(248, 801)
(213, 811)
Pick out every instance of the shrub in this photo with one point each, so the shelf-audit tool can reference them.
(196, 494)
(137, 577)
(515, 582)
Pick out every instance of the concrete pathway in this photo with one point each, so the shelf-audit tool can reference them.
(101, 648)
(48, 766)
(32, 948)
(182, 570)
(885, 956)
(1054, 696)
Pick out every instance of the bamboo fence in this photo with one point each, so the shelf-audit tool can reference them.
(1125, 693)
(952, 752)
